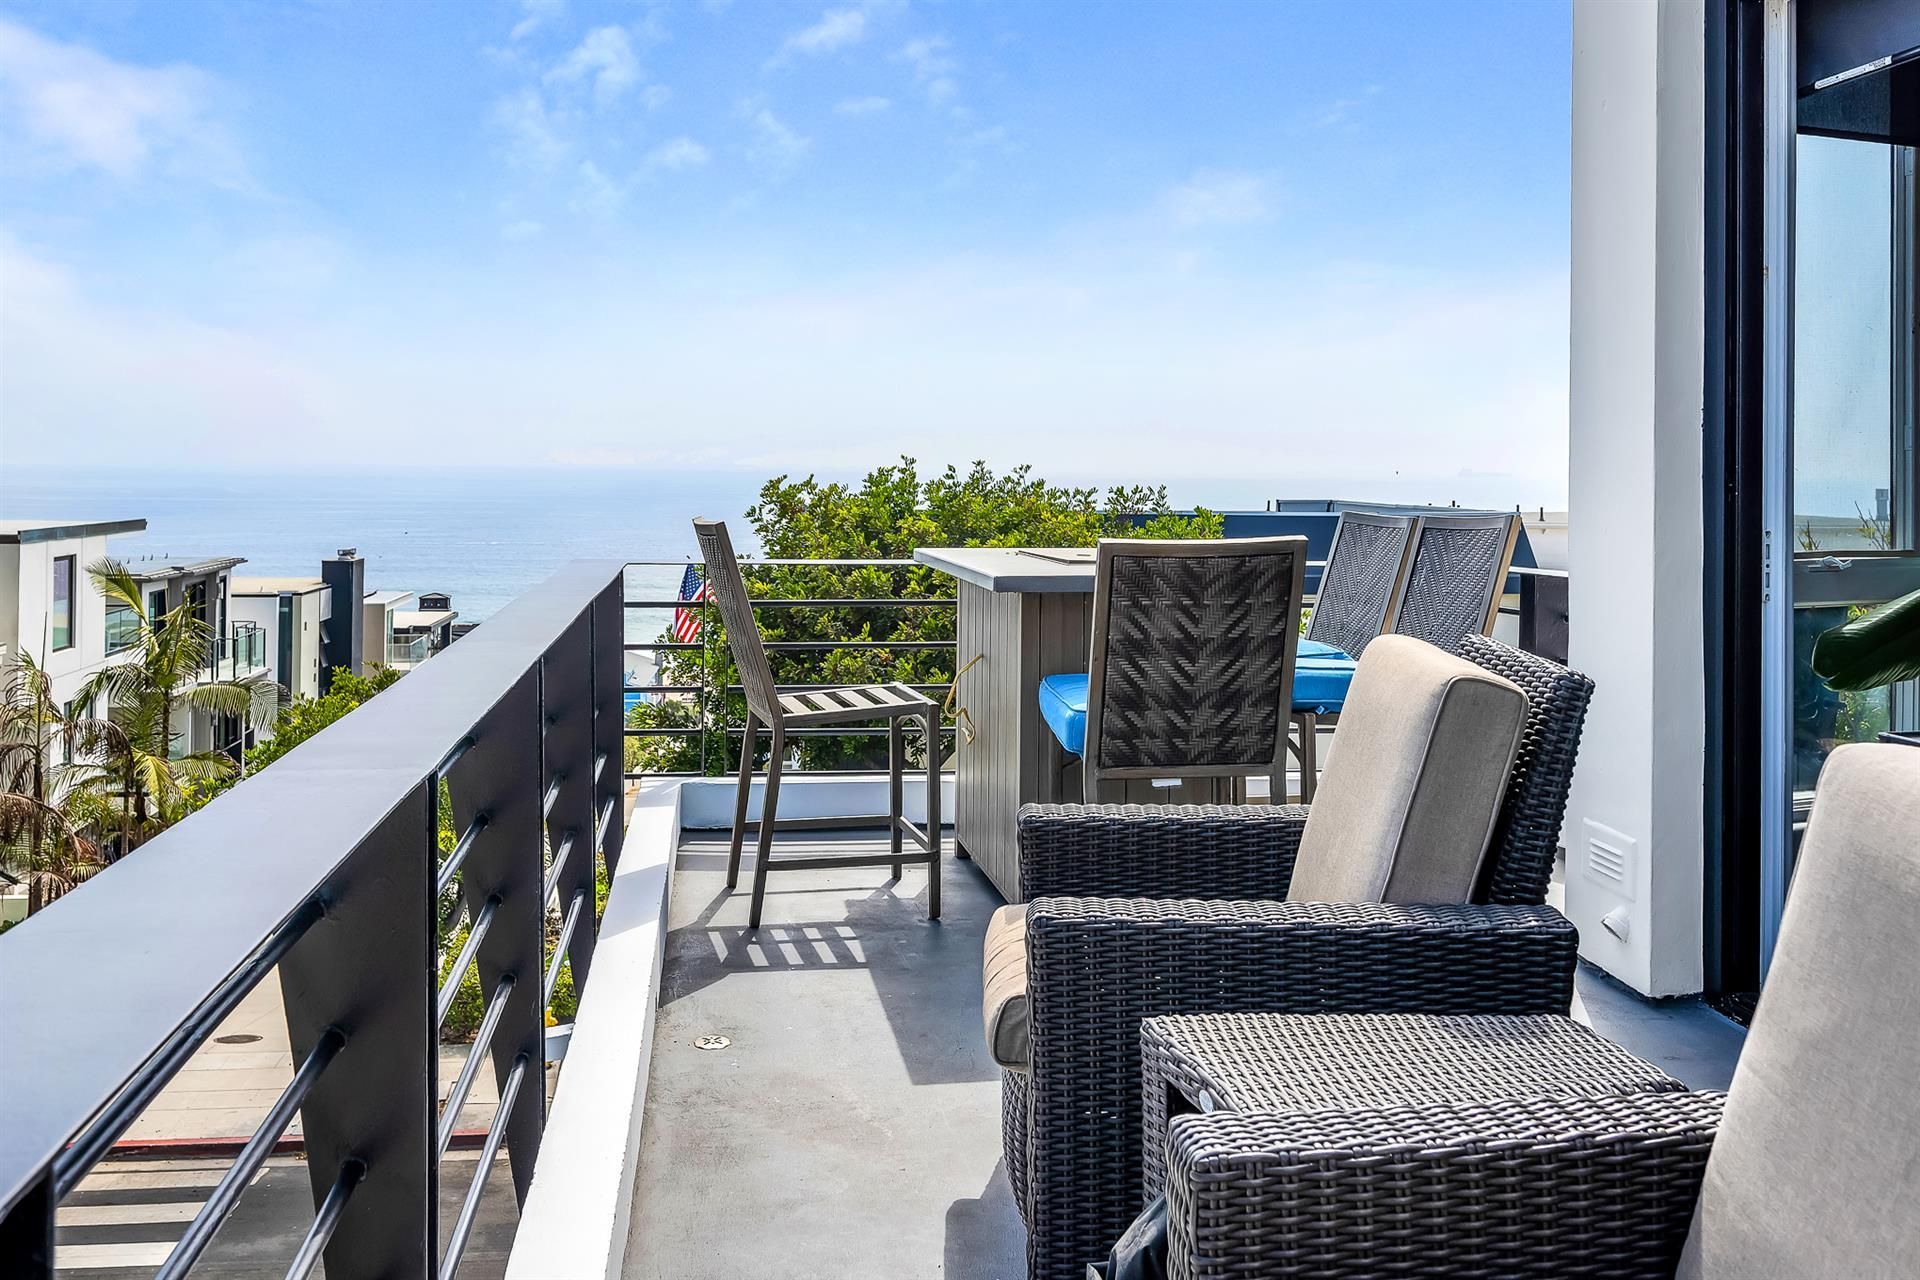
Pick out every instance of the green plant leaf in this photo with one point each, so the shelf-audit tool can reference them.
(1879, 648)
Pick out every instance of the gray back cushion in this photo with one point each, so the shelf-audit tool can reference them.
(1413, 781)
(1816, 1170)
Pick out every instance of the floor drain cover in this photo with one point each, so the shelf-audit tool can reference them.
(712, 1042)
(237, 1039)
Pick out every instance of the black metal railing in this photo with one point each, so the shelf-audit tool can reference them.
(708, 700)
(327, 867)
(1540, 608)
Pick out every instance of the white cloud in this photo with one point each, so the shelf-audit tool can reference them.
(597, 195)
(1372, 380)
(605, 57)
(522, 229)
(1337, 112)
(535, 136)
(836, 29)
(933, 67)
(655, 96)
(537, 13)
(1217, 198)
(775, 145)
(674, 155)
(74, 108)
(860, 106)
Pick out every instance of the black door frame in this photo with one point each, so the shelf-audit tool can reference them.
(1733, 460)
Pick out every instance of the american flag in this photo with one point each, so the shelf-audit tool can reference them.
(686, 621)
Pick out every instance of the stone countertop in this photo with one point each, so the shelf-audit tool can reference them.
(1015, 569)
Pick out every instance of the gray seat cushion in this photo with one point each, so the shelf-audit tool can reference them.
(1413, 782)
(1816, 1169)
(1004, 1003)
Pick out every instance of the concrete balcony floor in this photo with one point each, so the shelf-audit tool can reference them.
(851, 1127)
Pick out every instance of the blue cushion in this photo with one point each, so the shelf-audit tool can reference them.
(1320, 649)
(1063, 705)
(1320, 684)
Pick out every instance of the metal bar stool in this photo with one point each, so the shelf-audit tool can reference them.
(768, 708)
(1359, 587)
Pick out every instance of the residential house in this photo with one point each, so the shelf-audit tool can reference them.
(292, 616)
(420, 633)
(49, 608)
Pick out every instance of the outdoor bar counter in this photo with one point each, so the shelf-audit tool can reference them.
(1023, 614)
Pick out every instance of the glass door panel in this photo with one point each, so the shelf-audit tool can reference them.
(1854, 466)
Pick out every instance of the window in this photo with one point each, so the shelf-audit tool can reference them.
(63, 574)
(123, 626)
(157, 607)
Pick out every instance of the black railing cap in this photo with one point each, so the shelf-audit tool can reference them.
(92, 986)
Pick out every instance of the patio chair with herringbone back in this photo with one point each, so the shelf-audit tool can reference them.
(1454, 581)
(776, 712)
(1139, 911)
(1359, 588)
(1190, 668)
(1804, 1167)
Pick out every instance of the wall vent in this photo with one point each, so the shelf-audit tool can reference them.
(1609, 858)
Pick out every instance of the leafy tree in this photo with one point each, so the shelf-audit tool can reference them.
(295, 722)
(49, 824)
(143, 693)
(889, 514)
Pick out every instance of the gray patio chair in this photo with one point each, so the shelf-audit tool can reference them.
(769, 709)
(1359, 588)
(1805, 1167)
(1136, 911)
(1455, 578)
(1190, 667)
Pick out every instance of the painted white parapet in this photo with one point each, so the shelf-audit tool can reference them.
(574, 1223)
(706, 804)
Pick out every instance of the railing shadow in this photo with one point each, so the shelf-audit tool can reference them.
(925, 974)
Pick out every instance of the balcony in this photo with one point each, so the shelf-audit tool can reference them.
(814, 1095)
(407, 652)
(239, 655)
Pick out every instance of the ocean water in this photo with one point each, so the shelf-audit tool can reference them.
(482, 536)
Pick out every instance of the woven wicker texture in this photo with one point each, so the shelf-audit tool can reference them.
(1526, 835)
(1457, 567)
(743, 633)
(1196, 661)
(1542, 1187)
(1158, 851)
(1357, 585)
(1098, 966)
(1079, 1171)
(1270, 1062)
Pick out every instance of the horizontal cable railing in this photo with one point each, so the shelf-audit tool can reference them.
(503, 740)
(706, 701)
(1540, 607)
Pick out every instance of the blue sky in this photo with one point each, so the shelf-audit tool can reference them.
(1323, 241)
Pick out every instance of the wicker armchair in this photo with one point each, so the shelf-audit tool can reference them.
(1803, 1168)
(1137, 911)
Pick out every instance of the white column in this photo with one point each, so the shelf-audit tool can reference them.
(1633, 831)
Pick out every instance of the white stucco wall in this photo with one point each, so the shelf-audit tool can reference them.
(1635, 492)
(30, 577)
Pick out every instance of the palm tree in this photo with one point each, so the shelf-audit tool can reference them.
(161, 677)
(47, 815)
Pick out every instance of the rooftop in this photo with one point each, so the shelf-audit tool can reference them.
(422, 617)
(388, 598)
(156, 574)
(21, 531)
(854, 1118)
(273, 586)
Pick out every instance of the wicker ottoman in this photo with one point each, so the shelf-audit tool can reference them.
(1277, 1064)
